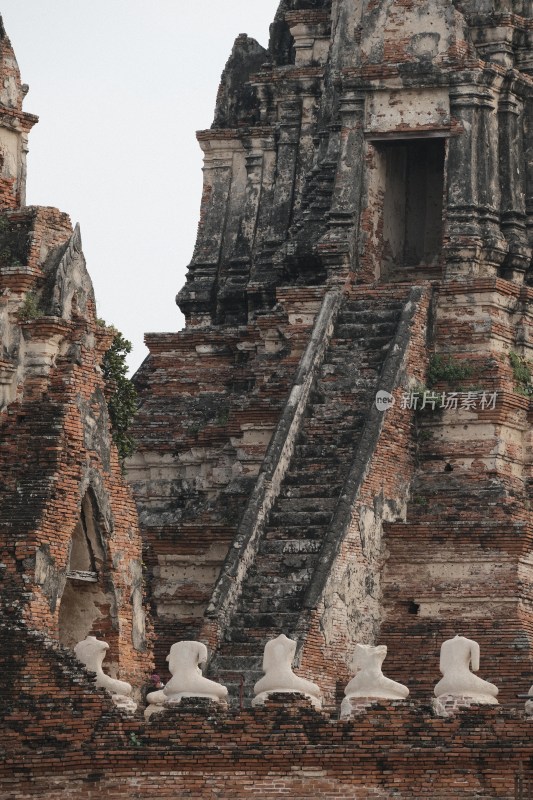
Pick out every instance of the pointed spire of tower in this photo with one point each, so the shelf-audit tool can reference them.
(12, 90)
(15, 126)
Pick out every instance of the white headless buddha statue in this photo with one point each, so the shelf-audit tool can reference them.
(155, 703)
(91, 652)
(184, 662)
(370, 682)
(529, 703)
(156, 699)
(279, 677)
(457, 655)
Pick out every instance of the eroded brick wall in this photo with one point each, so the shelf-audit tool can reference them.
(56, 451)
(459, 564)
(64, 739)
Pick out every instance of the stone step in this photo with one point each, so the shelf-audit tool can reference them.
(314, 435)
(372, 304)
(284, 534)
(341, 414)
(246, 627)
(341, 383)
(301, 519)
(359, 360)
(238, 683)
(344, 387)
(343, 363)
(236, 674)
(232, 682)
(337, 415)
(326, 452)
(354, 334)
(338, 369)
(273, 568)
(310, 490)
(267, 594)
(314, 474)
(343, 392)
(238, 663)
(363, 362)
(368, 317)
(331, 463)
(270, 605)
(364, 366)
(365, 330)
(346, 426)
(298, 504)
(334, 407)
(328, 459)
(246, 647)
(345, 399)
(293, 546)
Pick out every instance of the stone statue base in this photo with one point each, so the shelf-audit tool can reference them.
(153, 711)
(156, 703)
(193, 699)
(125, 703)
(352, 706)
(446, 705)
(260, 699)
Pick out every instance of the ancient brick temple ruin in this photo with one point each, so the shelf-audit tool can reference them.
(69, 538)
(366, 230)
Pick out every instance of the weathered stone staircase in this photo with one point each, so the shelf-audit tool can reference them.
(273, 590)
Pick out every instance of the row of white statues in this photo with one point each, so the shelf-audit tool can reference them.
(459, 659)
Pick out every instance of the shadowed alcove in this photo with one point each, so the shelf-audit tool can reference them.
(88, 600)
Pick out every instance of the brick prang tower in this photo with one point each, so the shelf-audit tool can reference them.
(337, 446)
(366, 225)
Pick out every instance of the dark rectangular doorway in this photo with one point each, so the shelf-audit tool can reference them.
(412, 205)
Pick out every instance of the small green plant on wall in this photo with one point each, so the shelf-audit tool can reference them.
(447, 369)
(521, 374)
(123, 400)
(30, 308)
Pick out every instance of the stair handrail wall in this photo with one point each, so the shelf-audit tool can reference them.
(389, 379)
(273, 469)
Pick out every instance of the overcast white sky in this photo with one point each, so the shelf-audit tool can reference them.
(120, 87)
